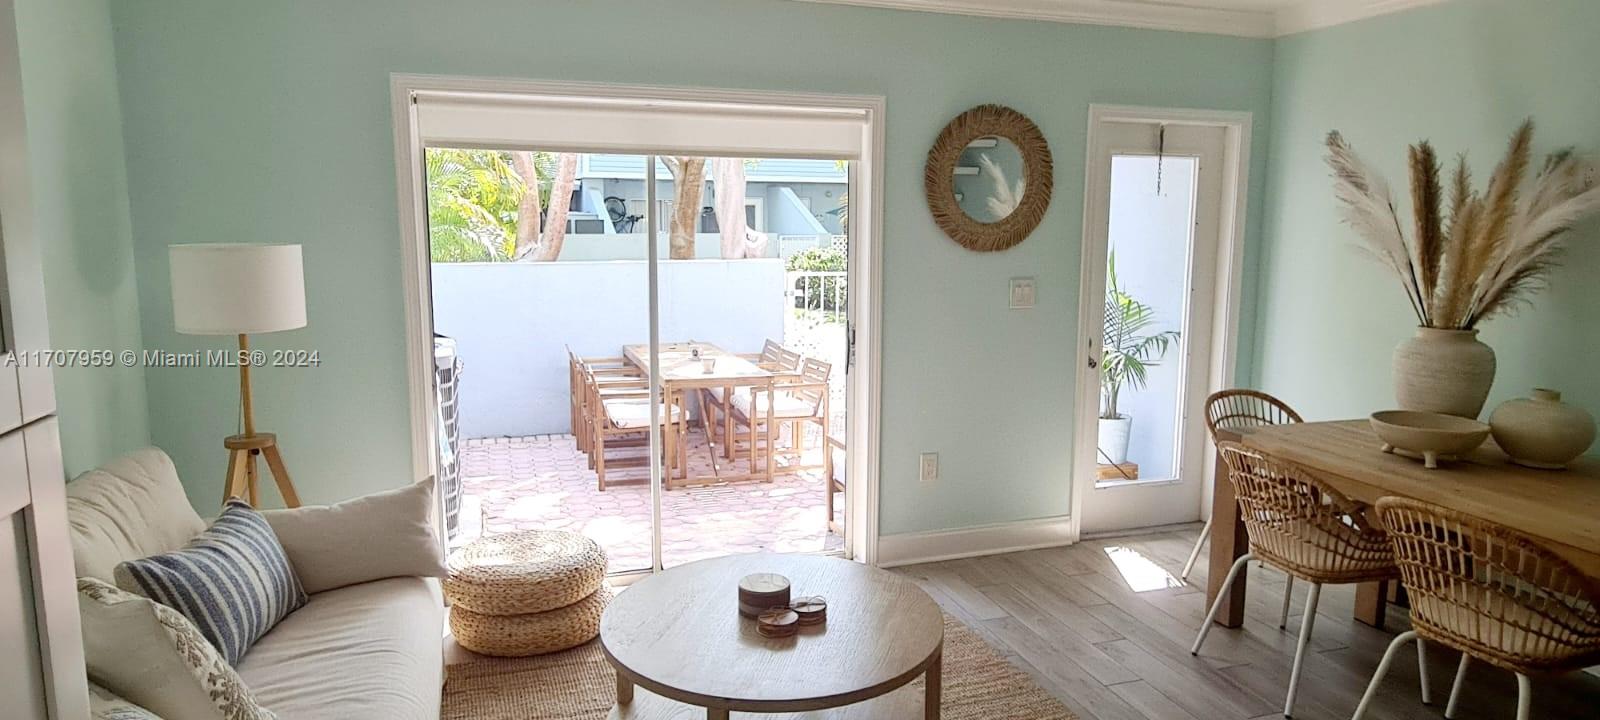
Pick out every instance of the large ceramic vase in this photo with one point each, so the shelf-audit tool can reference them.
(1113, 443)
(1443, 371)
(1542, 431)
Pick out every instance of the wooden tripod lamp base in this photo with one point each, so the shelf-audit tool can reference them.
(243, 478)
(240, 289)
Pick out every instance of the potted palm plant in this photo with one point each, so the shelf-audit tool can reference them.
(1129, 354)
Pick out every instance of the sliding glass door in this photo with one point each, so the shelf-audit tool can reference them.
(647, 349)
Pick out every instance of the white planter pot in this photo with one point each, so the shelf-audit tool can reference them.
(1443, 371)
(1114, 440)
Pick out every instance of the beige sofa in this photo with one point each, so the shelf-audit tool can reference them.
(370, 650)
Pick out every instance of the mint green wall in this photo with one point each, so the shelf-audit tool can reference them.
(269, 122)
(1463, 74)
(80, 195)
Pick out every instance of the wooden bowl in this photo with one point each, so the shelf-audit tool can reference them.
(1431, 435)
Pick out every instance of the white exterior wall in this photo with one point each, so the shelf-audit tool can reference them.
(513, 321)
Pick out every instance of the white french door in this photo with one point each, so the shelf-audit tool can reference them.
(1158, 260)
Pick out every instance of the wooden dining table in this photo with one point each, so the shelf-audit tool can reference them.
(1560, 508)
(683, 371)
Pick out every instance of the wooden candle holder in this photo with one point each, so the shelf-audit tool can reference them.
(761, 592)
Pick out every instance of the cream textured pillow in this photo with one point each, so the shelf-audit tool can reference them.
(382, 535)
(152, 655)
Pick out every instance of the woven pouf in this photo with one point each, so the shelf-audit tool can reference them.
(530, 633)
(528, 571)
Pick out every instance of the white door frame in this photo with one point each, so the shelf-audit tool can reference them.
(865, 280)
(1091, 303)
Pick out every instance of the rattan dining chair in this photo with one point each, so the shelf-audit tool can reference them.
(1491, 592)
(1231, 411)
(1305, 528)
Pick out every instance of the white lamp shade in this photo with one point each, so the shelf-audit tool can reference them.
(228, 289)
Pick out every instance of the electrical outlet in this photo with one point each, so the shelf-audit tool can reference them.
(930, 467)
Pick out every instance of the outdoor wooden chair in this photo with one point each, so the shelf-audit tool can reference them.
(1305, 528)
(619, 415)
(1231, 411)
(1494, 594)
(775, 357)
(797, 402)
(836, 477)
(716, 419)
(606, 370)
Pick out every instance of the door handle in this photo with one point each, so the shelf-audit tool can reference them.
(1093, 363)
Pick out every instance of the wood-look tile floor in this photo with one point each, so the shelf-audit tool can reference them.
(1105, 626)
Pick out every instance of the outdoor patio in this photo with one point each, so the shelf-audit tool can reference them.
(544, 482)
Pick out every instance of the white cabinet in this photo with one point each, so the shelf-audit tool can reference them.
(42, 672)
(22, 683)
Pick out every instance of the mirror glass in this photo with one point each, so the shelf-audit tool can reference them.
(989, 179)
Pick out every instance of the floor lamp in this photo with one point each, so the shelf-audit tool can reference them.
(239, 289)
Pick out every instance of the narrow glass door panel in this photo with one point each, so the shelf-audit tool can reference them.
(752, 288)
(1147, 290)
(540, 282)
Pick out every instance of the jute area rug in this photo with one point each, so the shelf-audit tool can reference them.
(579, 685)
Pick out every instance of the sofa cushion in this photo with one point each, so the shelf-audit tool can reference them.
(789, 405)
(232, 581)
(107, 705)
(369, 651)
(150, 654)
(382, 535)
(132, 507)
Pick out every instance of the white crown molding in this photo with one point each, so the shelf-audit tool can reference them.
(1318, 15)
(1123, 13)
(1307, 15)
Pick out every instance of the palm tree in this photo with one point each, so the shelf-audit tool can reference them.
(1128, 354)
(480, 210)
(472, 204)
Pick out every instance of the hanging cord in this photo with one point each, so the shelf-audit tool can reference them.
(1161, 154)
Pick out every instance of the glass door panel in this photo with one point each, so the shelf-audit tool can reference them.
(1147, 290)
(540, 282)
(752, 306)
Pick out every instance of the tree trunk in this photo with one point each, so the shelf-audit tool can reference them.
(727, 177)
(528, 208)
(555, 232)
(689, 176)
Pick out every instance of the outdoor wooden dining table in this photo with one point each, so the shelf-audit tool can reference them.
(1559, 507)
(683, 371)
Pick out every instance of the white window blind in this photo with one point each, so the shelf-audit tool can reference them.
(637, 126)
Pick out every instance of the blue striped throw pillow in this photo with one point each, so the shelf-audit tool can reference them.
(232, 581)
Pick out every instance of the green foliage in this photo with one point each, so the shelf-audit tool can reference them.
(826, 293)
(1129, 354)
(818, 259)
(472, 202)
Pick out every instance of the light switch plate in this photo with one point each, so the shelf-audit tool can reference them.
(1022, 293)
(930, 467)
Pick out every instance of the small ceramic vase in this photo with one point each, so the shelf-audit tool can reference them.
(1542, 432)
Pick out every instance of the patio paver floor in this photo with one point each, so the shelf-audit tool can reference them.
(544, 482)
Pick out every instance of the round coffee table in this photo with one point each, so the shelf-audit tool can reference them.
(679, 635)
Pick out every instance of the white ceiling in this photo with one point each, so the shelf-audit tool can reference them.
(1249, 18)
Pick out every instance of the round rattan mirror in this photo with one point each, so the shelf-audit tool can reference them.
(988, 178)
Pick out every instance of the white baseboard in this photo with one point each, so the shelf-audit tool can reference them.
(921, 547)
